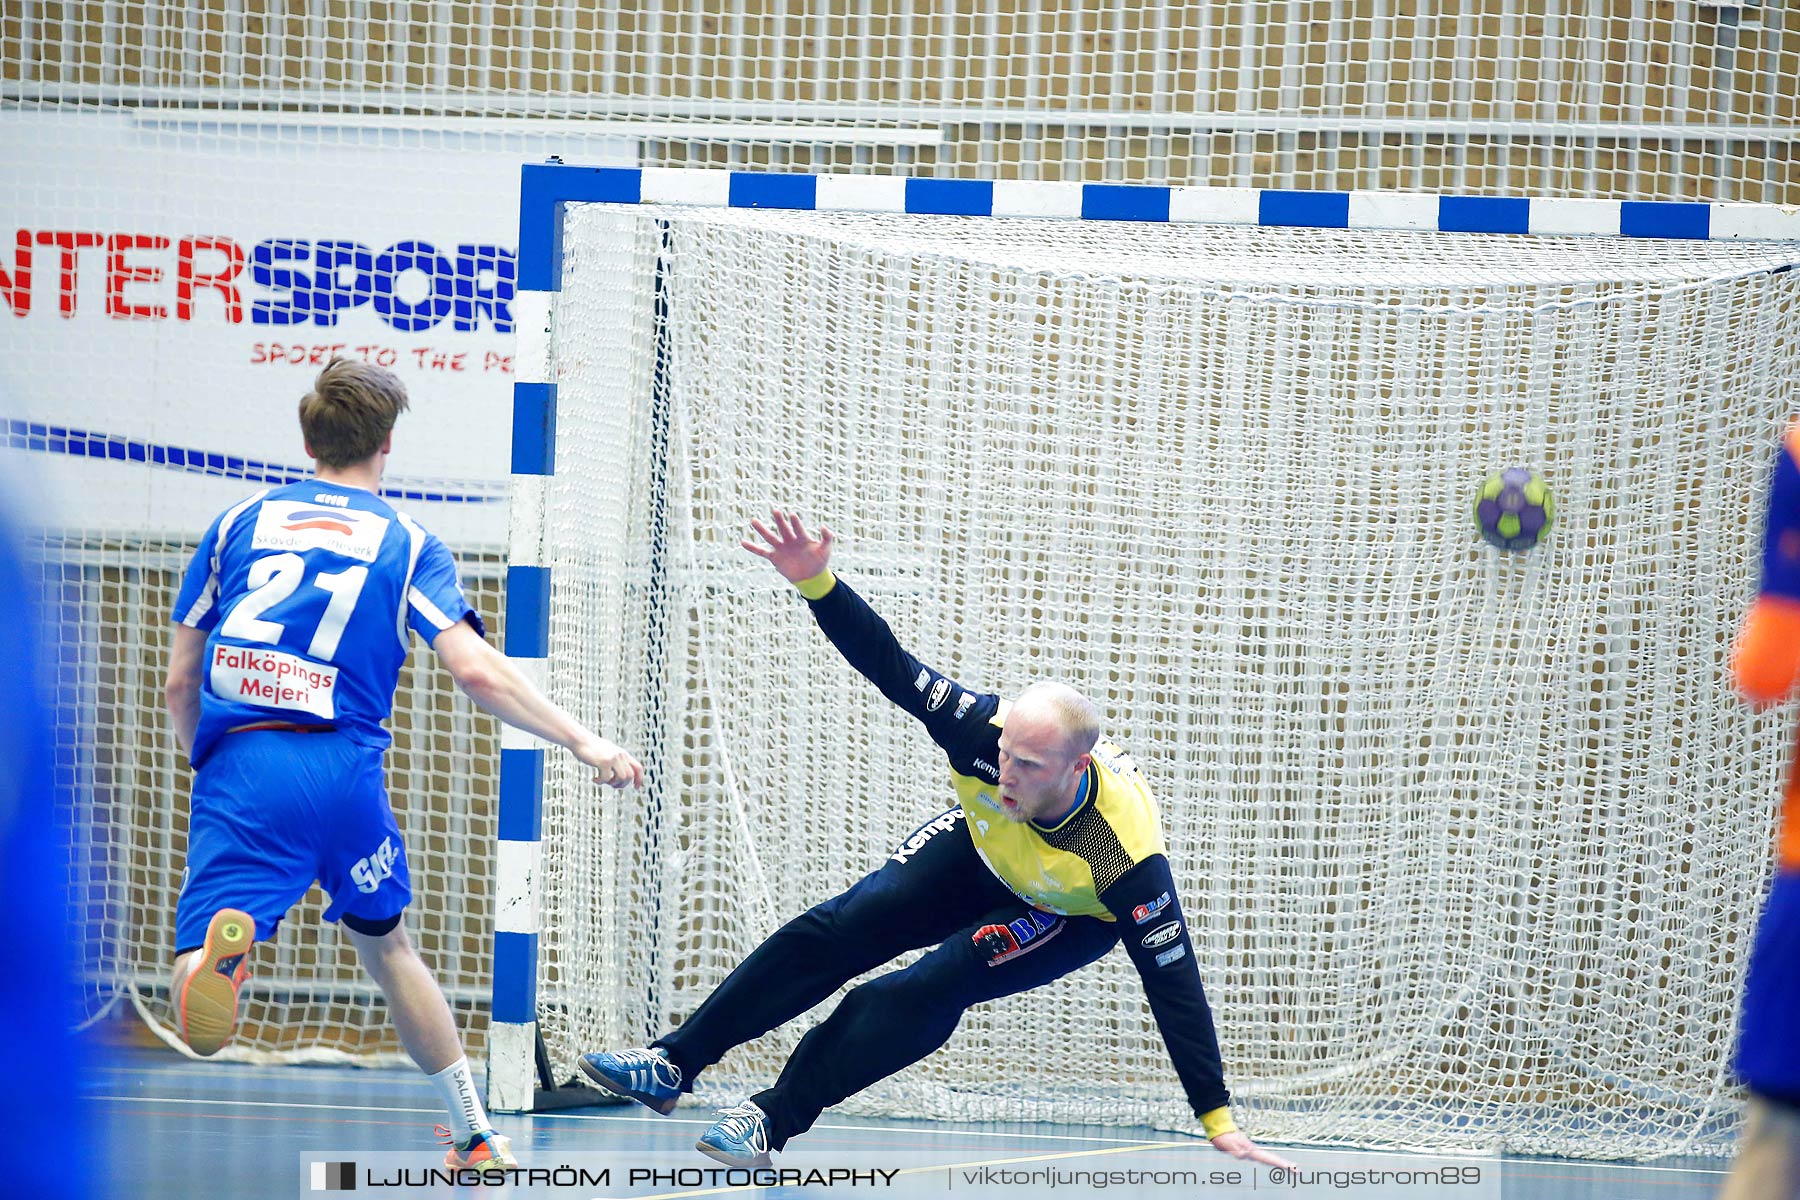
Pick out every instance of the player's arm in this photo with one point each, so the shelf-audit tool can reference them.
(494, 682)
(181, 691)
(196, 612)
(1766, 659)
(1144, 902)
(862, 637)
(438, 612)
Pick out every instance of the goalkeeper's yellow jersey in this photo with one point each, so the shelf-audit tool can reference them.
(1066, 868)
(1062, 868)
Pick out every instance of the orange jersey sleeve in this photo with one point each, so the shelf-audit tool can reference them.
(1766, 659)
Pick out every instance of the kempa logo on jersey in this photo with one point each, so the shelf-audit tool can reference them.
(926, 832)
(1162, 935)
(272, 679)
(301, 525)
(412, 285)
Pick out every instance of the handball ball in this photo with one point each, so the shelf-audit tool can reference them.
(1514, 508)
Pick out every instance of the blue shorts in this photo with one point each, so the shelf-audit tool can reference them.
(274, 811)
(1768, 1056)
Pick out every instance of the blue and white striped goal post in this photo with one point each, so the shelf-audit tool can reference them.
(515, 1082)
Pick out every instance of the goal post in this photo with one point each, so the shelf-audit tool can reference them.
(1473, 842)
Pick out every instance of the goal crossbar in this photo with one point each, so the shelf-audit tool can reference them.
(544, 187)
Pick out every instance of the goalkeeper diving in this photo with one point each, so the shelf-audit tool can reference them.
(1052, 856)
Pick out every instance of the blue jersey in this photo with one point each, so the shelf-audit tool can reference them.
(306, 593)
(1781, 530)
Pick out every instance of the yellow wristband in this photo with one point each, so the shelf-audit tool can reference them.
(816, 587)
(1218, 1122)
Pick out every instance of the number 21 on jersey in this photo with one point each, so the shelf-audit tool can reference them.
(275, 578)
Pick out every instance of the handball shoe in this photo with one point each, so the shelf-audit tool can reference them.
(646, 1076)
(483, 1149)
(209, 995)
(739, 1138)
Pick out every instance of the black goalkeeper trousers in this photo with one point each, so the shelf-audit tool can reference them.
(933, 890)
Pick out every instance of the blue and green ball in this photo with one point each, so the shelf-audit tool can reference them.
(1513, 509)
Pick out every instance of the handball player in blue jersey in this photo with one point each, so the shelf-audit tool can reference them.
(1766, 664)
(1052, 857)
(292, 623)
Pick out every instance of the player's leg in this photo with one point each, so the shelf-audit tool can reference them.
(249, 860)
(917, 897)
(428, 1032)
(421, 1015)
(897, 1019)
(362, 865)
(1768, 1056)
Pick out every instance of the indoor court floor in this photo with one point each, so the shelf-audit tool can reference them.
(224, 1131)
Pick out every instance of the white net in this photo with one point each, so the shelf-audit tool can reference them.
(1636, 99)
(1472, 842)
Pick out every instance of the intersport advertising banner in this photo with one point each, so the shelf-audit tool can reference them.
(172, 283)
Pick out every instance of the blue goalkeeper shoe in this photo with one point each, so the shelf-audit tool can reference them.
(739, 1138)
(646, 1076)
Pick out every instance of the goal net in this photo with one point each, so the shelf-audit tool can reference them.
(1639, 100)
(1473, 842)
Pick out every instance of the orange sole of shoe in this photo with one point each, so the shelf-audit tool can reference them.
(209, 996)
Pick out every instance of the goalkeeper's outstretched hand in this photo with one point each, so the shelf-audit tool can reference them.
(1238, 1144)
(794, 552)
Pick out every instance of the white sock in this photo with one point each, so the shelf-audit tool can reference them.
(457, 1086)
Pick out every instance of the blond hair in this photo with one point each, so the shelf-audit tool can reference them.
(350, 411)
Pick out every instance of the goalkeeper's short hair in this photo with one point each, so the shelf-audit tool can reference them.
(1075, 713)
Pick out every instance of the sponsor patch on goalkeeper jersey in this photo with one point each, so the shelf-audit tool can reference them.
(299, 525)
(964, 704)
(1162, 935)
(1147, 912)
(940, 692)
(925, 833)
(1173, 954)
(998, 943)
(273, 679)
